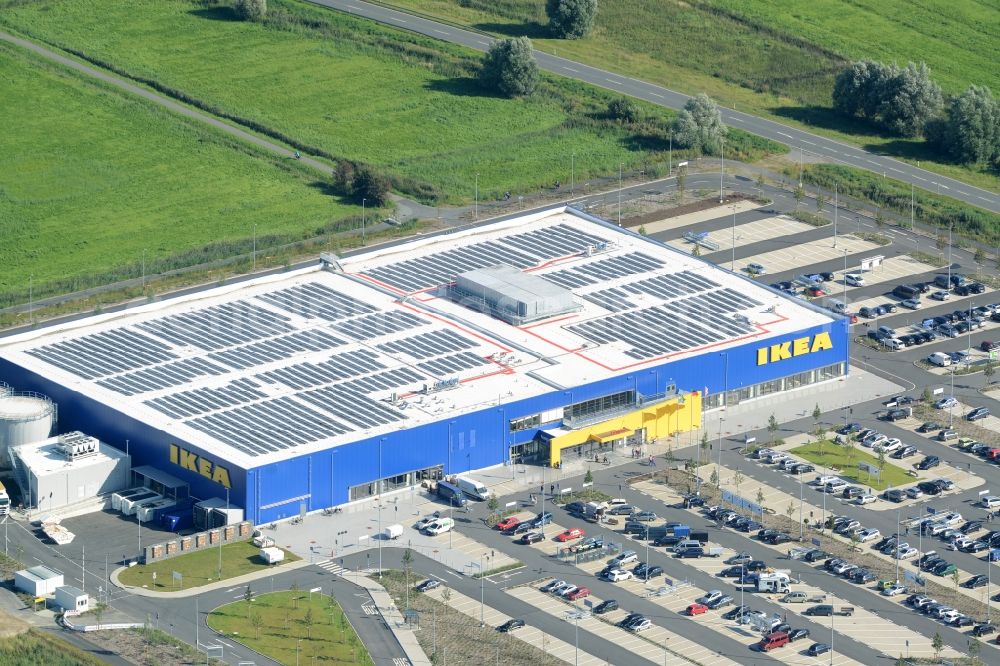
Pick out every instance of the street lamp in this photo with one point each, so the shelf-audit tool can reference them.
(363, 241)
(836, 191)
(380, 442)
(477, 196)
(572, 174)
(482, 591)
(722, 171)
(620, 165)
(732, 266)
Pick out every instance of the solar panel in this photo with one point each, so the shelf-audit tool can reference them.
(313, 300)
(277, 349)
(523, 250)
(218, 326)
(449, 365)
(396, 378)
(378, 324)
(160, 377)
(104, 354)
(339, 366)
(200, 401)
(353, 407)
(595, 272)
(426, 345)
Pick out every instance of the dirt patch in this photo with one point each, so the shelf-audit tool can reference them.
(11, 626)
(147, 647)
(676, 211)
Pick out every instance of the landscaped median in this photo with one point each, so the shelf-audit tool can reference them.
(845, 459)
(200, 568)
(291, 627)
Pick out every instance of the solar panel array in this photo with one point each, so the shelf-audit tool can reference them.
(276, 349)
(388, 379)
(378, 324)
(269, 426)
(218, 326)
(524, 250)
(339, 366)
(426, 345)
(353, 407)
(594, 272)
(104, 354)
(161, 376)
(200, 401)
(313, 300)
(446, 366)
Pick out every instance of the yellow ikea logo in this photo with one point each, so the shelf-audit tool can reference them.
(796, 347)
(199, 465)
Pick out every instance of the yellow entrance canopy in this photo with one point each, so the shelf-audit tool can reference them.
(605, 437)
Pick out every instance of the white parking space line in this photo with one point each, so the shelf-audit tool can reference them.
(798, 255)
(751, 232)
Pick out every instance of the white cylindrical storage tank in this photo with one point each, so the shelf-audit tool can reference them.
(24, 418)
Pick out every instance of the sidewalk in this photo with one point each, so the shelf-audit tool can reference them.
(393, 618)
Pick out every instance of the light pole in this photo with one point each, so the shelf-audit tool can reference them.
(572, 174)
(732, 265)
(576, 641)
(363, 240)
(380, 442)
(477, 196)
(897, 546)
(801, 524)
(647, 553)
(836, 211)
(254, 247)
(951, 407)
(722, 171)
(620, 165)
(482, 591)
(670, 168)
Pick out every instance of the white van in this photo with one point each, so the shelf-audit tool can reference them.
(835, 486)
(439, 526)
(990, 501)
(893, 344)
(939, 358)
(854, 279)
(686, 544)
(474, 489)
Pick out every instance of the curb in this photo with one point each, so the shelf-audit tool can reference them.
(194, 591)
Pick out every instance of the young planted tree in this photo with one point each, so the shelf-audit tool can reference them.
(295, 594)
(737, 480)
(881, 461)
(817, 414)
(714, 478)
(941, 242)
(975, 647)
(248, 597)
(799, 193)
(588, 477)
(408, 562)
(790, 510)
(509, 68)
(980, 256)
(820, 201)
(681, 178)
(760, 184)
(257, 622)
(695, 250)
(772, 426)
(989, 370)
(308, 619)
(571, 19)
(926, 396)
(342, 625)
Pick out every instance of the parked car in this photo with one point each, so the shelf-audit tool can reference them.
(977, 414)
(946, 402)
(578, 593)
(570, 534)
(696, 609)
(894, 495)
(510, 625)
(866, 498)
(929, 462)
(532, 537)
(816, 649)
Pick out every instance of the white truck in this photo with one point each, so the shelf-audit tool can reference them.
(4, 501)
(474, 489)
(392, 532)
(272, 555)
(773, 582)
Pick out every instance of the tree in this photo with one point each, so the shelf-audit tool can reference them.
(799, 193)
(642, 230)
(588, 477)
(408, 562)
(879, 218)
(343, 177)
(509, 68)
(714, 478)
(760, 183)
(975, 647)
(372, 186)
(294, 589)
(737, 480)
(256, 621)
(571, 19)
(909, 99)
(927, 396)
(971, 132)
(817, 414)
(680, 184)
(695, 250)
(881, 461)
(700, 125)
(772, 426)
(854, 89)
(980, 256)
(251, 10)
(342, 625)
(941, 242)
(855, 541)
(308, 619)
(820, 201)
(956, 578)
(989, 370)
(790, 510)
(248, 597)
(623, 109)
(99, 611)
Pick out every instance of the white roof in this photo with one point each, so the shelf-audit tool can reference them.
(328, 350)
(46, 457)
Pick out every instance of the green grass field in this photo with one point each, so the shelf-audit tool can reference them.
(357, 90)
(89, 179)
(199, 567)
(295, 627)
(39, 647)
(834, 455)
(770, 57)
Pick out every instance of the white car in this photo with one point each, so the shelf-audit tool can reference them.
(875, 439)
(950, 616)
(854, 279)
(911, 303)
(890, 445)
(951, 518)
(959, 543)
(867, 498)
(568, 590)
(627, 557)
(640, 626)
(894, 589)
(559, 589)
(946, 403)
(618, 575)
(709, 597)
(868, 535)
(906, 553)
(940, 295)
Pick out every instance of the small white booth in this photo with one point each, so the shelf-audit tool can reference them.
(72, 598)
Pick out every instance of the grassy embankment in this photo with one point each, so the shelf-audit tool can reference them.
(829, 454)
(773, 58)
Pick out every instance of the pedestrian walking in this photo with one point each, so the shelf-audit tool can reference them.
(552, 489)
(652, 463)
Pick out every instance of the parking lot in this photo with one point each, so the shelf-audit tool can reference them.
(797, 255)
(747, 233)
(716, 212)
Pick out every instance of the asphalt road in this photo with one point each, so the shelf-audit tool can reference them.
(827, 149)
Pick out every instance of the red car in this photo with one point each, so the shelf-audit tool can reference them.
(508, 523)
(579, 594)
(697, 609)
(570, 534)
(815, 291)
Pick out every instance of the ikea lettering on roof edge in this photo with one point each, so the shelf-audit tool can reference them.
(533, 339)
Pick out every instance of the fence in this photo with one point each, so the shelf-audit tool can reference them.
(199, 541)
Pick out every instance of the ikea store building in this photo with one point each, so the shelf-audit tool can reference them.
(521, 341)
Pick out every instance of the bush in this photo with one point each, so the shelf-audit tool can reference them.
(571, 19)
(509, 68)
(372, 186)
(623, 109)
(700, 125)
(251, 10)
(902, 100)
(971, 128)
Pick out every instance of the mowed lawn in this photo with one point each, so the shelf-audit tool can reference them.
(90, 178)
(834, 455)
(352, 88)
(200, 567)
(292, 627)
(777, 58)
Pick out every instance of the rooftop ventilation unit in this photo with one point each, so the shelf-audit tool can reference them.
(77, 445)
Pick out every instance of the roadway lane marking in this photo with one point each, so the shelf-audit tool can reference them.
(984, 198)
(919, 178)
(357, 9)
(657, 95)
(617, 83)
(570, 69)
(440, 32)
(872, 162)
(808, 143)
(895, 169)
(739, 120)
(393, 18)
(964, 194)
(785, 135)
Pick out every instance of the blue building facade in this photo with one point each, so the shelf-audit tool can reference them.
(452, 445)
